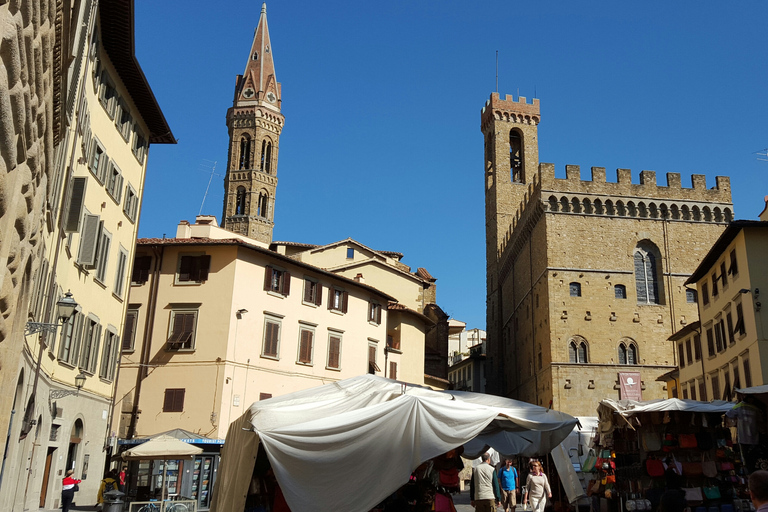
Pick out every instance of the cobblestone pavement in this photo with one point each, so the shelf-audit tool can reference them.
(461, 501)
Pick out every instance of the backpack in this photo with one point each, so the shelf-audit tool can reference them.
(109, 485)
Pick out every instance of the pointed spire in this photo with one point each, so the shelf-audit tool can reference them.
(259, 83)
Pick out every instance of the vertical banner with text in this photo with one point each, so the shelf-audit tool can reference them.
(629, 383)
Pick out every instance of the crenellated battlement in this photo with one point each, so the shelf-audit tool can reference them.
(647, 187)
(509, 110)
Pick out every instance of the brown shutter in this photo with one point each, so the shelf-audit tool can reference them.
(393, 370)
(267, 278)
(286, 283)
(331, 293)
(344, 301)
(75, 207)
(308, 290)
(130, 326)
(270, 341)
(168, 402)
(378, 313)
(178, 328)
(204, 266)
(305, 350)
(186, 268)
(333, 352)
(318, 294)
(178, 400)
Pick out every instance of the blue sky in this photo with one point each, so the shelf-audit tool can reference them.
(382, 102)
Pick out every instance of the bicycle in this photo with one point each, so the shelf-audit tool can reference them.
(169, 507)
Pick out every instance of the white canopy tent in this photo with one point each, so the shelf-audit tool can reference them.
(628, 408)
(346, 446)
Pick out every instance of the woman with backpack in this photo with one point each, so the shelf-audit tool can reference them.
(108, 484)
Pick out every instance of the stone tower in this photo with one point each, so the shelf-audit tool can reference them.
(511, 163)
(255, 124)
(585, 278)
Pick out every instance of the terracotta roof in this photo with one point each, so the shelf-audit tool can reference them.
(422, 272)
(294, 244)
(267, 252)
(117, 31)
(396, 306)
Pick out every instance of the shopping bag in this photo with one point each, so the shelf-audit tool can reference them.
(712, 492)
(654, 467)
(692, 469)
(709, 468)
(693, 495)
(589, 462)
(687, 440)
(651, 441)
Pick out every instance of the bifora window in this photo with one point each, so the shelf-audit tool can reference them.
(628, 353)
(193, 268)
(577, 350)
(646, 282)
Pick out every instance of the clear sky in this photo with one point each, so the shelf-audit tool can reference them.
(382, 103)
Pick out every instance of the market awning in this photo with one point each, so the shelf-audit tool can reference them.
(346, 446)
(631, 407)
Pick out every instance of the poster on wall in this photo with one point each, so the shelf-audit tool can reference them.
(630, 386)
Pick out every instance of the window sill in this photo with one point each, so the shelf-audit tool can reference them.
(310, 304)
(187, 350)
(375, 324)
(336, 312)
(276, 294)
(394, 350)
(105, 380)
(128, 351)
(117, 297)
(267, 356)
(176, 282)
(99, 282)
(333, 369)
(138, 284)
(304, 364)
(67, 364)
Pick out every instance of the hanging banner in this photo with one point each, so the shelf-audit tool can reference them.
(629, 383)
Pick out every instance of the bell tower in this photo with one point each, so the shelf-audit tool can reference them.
(255, 123)
(510, 165)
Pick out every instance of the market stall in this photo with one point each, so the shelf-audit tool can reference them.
(645, 449)
(348, 445)
(749, 418)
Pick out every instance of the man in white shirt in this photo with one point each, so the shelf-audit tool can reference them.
(484, 488)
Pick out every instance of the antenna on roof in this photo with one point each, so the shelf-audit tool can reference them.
(213, 173)
(497, 70)
(764, 153)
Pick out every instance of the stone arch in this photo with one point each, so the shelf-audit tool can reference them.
(653, 210)
(263, 204)
(265, 164)
(245, 151)
(553, 204)
(575, 205)
(516, 155)
(240, 200)
(707, 214)
(628, 352)
(75, 438)
(685, 212)
(642, 210)
(621, 210)
(695, 213)
(609, 208)
(718, 215)
(565, 206)
(727, 215)
(586, 206)
(578, 349)
(599, 207)
(674, 212)
(648, 272)
(631, 209)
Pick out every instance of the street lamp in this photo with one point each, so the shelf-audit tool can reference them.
(64, 309)
(61, 393)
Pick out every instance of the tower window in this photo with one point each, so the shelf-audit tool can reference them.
(516, 156)
(245, 153)
(577, 351)
(620, 291)
(628, 353)
(263, 204)
(646, 282)
(240, 205)
(266, 155)
(575, 289)
(690, 295)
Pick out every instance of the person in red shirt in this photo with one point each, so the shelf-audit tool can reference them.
(122, 479)
(68, 488)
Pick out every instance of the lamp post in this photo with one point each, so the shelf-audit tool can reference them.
(64, 308)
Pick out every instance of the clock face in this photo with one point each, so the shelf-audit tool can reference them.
(271, 97)
(248, 93)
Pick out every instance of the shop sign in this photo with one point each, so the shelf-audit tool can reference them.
(630, 387)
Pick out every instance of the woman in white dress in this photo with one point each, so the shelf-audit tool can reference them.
(537, 488)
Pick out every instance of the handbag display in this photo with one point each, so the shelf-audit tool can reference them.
(712, 492)
(726, 466)
(692, 469)
(709, 468)
(654, 467)
(589, 462)
(651, 441)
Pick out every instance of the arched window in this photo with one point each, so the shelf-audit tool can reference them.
(599, 207)
(576, 205)
(621, 209)
(516, 156)
(565, 206)
(577, 350)
(627, 353)
(646, 282)
(263, 204)
(553, 204)
(609, 209)
(575, 289)
(245, 153)
(266, 155)
(240, 204)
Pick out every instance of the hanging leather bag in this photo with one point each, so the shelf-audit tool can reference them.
(654, 467)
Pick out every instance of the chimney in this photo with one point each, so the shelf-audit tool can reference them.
(360, 279)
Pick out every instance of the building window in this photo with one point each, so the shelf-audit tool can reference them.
(263, 205)
(715, 386)
(723, 275)
(697, 347)
(734, 267)
(577, 351)
(122, 261)
(690, 296)
(98, 161)
(193, 268)
(688, 350)
(714, 285)
(719, 335)
(124, 120)
(139, 145)
(131, 203)
(89, 240)
(338, 300)
(334, 351)
(91, 338)
(393, 341)
(181, 332)
(747, 372)
(109, 355)
(692, 387)
(739, 327)
(575, 289)
(245, 153)
(240, 201)
(129, 330)
(702, 390)
(727, 391)
(174, 400)
(108, 94)
(277, 281)
(685, 394)
(271, 345)
(266, 155)
(710, 343)
(306, 338)
(372, 366)
(705, 293)
(350, 253)
(736, 379)
(102, 255)
(646, 282)
(729, 322)
(620, 291)
(141, 266)
(313, 292)
(516, 156)
(393, 370)
(680, 355)
(374, 313)
(628, 353)
(114, 183)
(71, 332)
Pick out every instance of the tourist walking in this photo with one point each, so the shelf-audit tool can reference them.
(68, 488)
(484, 492)
(537, 488)
(510, 486)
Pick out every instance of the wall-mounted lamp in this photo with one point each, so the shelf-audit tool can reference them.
(61, 393)
(745, 290)
(64, 309)
(241, 312)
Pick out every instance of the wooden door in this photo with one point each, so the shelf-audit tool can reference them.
(46, 476)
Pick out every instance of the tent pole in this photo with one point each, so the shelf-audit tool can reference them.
(162, 489)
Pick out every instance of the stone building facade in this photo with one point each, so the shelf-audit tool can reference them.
(255, 124)
(585, 279)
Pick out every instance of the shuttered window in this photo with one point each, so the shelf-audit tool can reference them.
(114, 184)
(131, 203)
(89, 240)
(338, 300)
(75, 207)
(714, 285)
(372, 366)
(305, 346)
(70, 332)
(646, 282)
(688, 351)
(739, 327)
(276, 280)
(174, 400)
(102, 254)
(313, 292)
(393, 370)
(710, 343)
(98, 162)
(747, 373)
(109, 355)
(715, 387)
(697, 347)
(91, 340)
(122, 261)
(193, 269)
(334, 352)
(271, 338)
(729, 322)
(141, 266)
(374, 313)
(733, 269)
(129, 330)
(705, 293)
(182, 332)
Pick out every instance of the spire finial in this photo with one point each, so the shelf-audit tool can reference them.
(264, 8)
